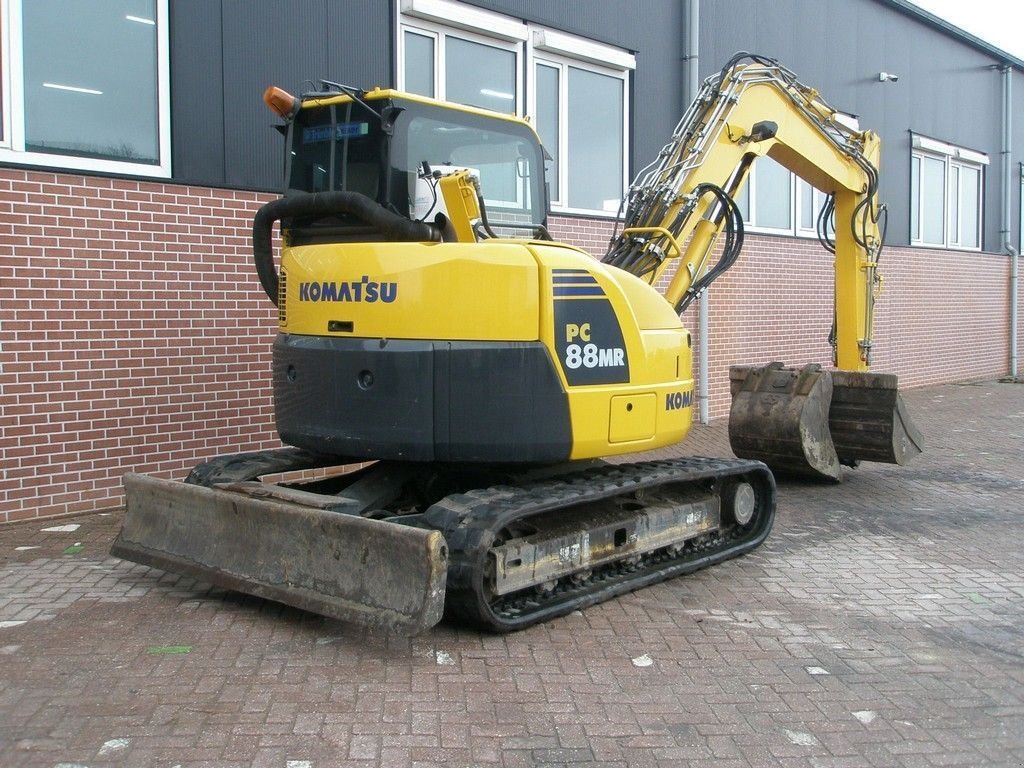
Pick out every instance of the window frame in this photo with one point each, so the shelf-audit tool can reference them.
(534, 45)
(817, 202)
(12, 143)
(440, 35)
(6, 16)
(430, 35)
(953, 158)
(796, 206)
(560, 198)
(750, 190)
(556, 192)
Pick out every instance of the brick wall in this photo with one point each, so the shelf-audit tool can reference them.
(134, 335)
(940, 317)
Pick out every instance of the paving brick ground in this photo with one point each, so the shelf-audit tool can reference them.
(880, 625)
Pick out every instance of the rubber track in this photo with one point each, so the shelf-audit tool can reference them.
(470, 521)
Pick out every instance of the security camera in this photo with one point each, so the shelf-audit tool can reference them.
(884, 77)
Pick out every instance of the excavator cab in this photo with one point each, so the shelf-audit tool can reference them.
(395, 149)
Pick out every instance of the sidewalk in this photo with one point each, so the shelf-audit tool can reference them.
(881, 624)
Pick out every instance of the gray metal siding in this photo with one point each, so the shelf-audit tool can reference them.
(197, 92)
(227, 52)
(224, 54)
(652, 29)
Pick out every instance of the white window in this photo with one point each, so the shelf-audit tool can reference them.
(420, 48)
(584, 132)
(774, 200)
(809, 202)
(580, 108)
(462, 67)
(85, 85)
(578, 94)
(771, 196)
(946, 195)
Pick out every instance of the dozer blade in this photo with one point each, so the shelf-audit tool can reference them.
(808, 421)
(780, 416)
(373, 573)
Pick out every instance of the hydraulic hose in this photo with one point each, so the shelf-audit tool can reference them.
(318, 204)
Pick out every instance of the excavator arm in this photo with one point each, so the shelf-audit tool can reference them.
(680, 213)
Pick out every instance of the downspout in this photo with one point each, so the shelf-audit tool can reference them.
(691, 51)
(1006, 216)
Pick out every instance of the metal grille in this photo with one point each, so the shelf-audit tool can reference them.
(282, 299)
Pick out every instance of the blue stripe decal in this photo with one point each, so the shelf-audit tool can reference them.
(575, 279)
(578, 290)
(574, 271)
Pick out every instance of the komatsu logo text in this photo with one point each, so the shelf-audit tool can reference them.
(364, 290)
(675, 401)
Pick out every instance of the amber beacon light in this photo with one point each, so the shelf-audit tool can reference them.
(281, 102)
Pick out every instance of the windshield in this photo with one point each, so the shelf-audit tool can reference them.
(342, 147)
(335, 148)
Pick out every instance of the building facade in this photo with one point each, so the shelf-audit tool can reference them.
(135, 148)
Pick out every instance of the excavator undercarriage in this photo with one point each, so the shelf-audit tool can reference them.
(395, 545)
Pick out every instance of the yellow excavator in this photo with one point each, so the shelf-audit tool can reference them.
(447, 378)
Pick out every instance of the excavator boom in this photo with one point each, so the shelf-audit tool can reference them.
(676, 211)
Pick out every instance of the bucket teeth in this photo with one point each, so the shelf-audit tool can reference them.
(808, 421)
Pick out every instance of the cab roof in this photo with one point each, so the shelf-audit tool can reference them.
(324, 99)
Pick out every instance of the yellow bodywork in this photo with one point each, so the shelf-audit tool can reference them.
(461, 199)
(417, 336)
(610, 328)
(504, 291)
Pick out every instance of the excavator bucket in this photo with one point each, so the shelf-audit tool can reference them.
(809, 421)
(780, 416)
(368, 572)
(868, 420)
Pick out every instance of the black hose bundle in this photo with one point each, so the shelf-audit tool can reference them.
(642, 254)
(730, 249)
(825, 221)
(320, 204)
